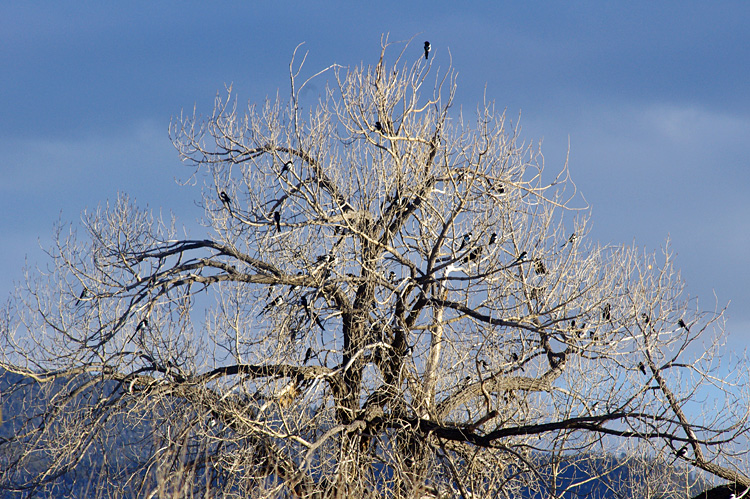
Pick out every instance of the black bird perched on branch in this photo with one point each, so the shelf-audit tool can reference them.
(493, 239)
(427, 48)
(277, 219)
(682, 324)
(473, 255)
(310, 314)
(81, 296)
(642, 367)
(325, 259)
(308, 354)
(465, 241)
(225, 198)
(277, 302)
(571, 239)
(539, 267)
(285, 168)
(142, 324)
(521, 258)
(378, 127)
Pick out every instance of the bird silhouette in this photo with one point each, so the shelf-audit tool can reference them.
(378, 127)
(539, 267)
(465, 241)
(81, 296)
(571, 239)
(682, 324)
(427, 48)
(493, 239)
(308, 354)
(310, 314)
(225, 198)
(642, 367)
(285, 168)
(325, 259)
(521, 257)
(277, 219)
(606, 312)
(473, 255)
(277, 302)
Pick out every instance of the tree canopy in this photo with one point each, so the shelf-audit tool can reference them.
(390, 299)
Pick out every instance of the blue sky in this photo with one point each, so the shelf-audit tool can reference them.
(652, 97)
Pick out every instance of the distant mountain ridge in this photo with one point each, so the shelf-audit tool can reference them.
(604, 476)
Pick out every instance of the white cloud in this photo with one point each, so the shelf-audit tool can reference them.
(693, 126)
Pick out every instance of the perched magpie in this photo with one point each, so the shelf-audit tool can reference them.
(427, 48)
(539, 267)
(606, 312)
(473, 254)
(642, 367)
(225, 198)
(682, 324)
(571, 239)
(308, 354)
(645, 318)
(391, 277)
(277, 302)
(465, 241)
(277, 219)
(142, 324)
(285, 168)
(378, 127)
(325, 259)
(310, 314)
(521, 257)
(493, 239)
(514, 356)
(682, 451)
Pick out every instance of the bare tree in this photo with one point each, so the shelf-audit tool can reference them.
(390, 300)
